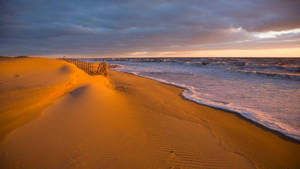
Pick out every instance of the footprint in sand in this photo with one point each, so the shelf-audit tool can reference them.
(171, 159)
(75, 160)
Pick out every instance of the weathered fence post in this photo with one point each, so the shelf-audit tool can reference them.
(105, 67)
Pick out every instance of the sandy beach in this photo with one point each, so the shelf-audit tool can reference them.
(54, 115)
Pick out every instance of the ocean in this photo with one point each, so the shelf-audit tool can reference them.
(264, 90)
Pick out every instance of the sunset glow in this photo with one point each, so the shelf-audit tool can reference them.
(149, 84)
(150, 28)
(274, 34)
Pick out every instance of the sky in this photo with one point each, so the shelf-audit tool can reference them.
(150, 28)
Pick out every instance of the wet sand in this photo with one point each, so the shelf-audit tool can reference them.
(123, 121)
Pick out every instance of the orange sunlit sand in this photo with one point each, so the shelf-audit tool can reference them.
(54, 115)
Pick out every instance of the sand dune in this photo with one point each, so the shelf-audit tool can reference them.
(123, 121)
(27, 86)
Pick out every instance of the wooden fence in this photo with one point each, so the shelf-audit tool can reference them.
(92, 68)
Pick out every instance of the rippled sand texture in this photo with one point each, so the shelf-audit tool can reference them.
(125, 121)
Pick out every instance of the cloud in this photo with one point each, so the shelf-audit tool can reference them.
(120, 27)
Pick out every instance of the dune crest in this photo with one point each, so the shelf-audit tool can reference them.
(28, 85)
(125, 121)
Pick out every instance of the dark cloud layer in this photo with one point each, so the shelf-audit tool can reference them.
(119, 27)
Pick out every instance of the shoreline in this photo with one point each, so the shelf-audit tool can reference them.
(234, 132)
(273, 131)
(128, 121)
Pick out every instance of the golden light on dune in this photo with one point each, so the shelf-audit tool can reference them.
(132, 84)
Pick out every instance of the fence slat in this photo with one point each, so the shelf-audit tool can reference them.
(90, 68)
